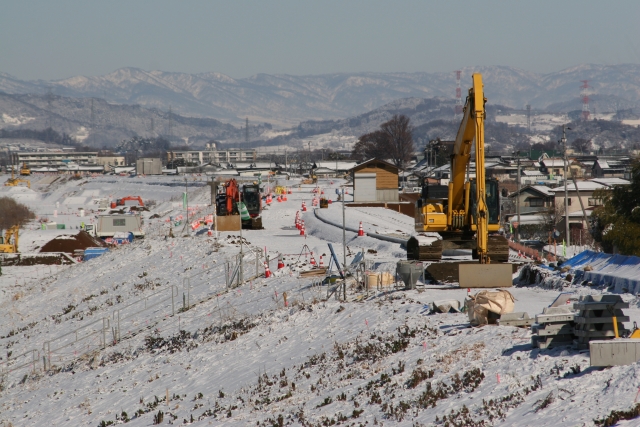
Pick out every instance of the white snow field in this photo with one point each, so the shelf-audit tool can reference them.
(239, 356)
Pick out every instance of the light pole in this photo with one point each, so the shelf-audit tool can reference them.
(566, 192)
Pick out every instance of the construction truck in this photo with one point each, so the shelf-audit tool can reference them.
(9, 245)
(227, 198)
(14, 182)
(467, 215)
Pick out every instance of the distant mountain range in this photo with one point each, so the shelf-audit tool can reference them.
(286, 100)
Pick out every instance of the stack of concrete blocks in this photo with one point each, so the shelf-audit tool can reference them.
(519, 320)
(594, 320)
(553, 328)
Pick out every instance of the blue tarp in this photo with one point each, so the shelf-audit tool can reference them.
(621, 271)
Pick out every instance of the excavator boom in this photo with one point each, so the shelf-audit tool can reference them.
(471, 211)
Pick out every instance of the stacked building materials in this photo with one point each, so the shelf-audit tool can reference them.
(519, 320)
(595, 318)
(553, 328)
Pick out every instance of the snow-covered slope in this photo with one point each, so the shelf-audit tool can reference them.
(241, 356)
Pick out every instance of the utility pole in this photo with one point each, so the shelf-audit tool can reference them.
(344, 248)
(566, 192)
(518, 200)
(186, 195)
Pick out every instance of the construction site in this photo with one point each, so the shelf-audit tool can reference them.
(289, 300)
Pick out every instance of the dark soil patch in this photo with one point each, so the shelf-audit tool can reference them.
(68, 244)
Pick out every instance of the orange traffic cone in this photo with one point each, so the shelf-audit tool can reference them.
(284, 197)
(280, 262)
(360, 230)
(267, 272)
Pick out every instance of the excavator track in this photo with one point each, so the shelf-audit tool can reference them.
(432, 252)
(498, 249)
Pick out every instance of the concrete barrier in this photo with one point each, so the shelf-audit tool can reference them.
(617, 352)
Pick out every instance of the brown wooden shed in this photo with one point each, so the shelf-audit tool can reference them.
(375, 181)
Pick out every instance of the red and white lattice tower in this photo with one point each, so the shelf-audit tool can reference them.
(585, 99)
(458, 108)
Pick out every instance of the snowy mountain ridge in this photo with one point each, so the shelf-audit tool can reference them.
(286, 99)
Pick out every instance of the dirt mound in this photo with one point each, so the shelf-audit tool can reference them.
(45, 259)
(68, 243)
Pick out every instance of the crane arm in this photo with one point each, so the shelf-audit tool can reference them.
(471, 129)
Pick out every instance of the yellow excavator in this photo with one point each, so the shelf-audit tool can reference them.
(468, 209)
(13, 181)
(24, 170)
(7, 244)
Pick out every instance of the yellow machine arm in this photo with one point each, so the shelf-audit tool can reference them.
(471, 129)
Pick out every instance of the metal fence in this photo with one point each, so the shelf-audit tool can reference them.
(142, 314)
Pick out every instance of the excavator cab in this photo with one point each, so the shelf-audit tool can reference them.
(492, 200)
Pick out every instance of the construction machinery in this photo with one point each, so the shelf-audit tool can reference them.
(468, 215)
(9, 243)
(227, 198)
(24, 170)
(14, 182)
(124, 200)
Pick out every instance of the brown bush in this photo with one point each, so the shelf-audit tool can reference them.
(13, 213)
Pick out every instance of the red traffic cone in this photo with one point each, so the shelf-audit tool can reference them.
(210, 233)
(360, 230)
(304, 207)
(321, 264)
(329, 201)
(284, 197)
(322, 192)
(313, 260)
(302, 230)
(267, 272)
(290, 192)
(280, 262)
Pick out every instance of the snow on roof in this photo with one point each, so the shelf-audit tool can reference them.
(552, 162)
(611, 181)
(543, 189)
(602, 163)
(578, 213)
(532, 173)
(528, 219)
(582, 186)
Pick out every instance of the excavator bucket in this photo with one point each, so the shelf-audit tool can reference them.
(485, 275)
(229, 223)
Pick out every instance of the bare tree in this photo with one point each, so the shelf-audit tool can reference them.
(370, 145)
(394, 140)
(582, 145)
(398, 131)
(13, 213)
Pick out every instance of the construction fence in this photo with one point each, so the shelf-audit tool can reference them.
(161, 311)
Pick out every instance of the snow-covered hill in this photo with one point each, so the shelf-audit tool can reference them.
(242, 356)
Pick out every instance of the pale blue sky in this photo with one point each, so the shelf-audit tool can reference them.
(54, 39)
